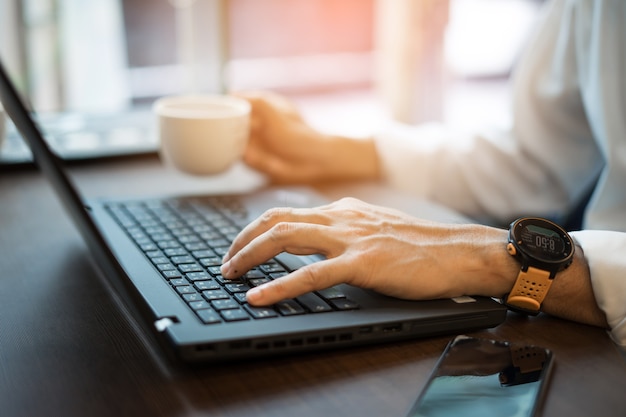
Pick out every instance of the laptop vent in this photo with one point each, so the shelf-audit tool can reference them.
(302, 342)
(292, 343)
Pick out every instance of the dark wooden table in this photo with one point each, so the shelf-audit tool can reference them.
(66, 348)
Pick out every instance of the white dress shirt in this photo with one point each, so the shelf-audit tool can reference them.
(568, 138)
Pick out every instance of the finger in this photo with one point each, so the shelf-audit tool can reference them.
(294, 238)
(258, 157)
(267, 104)
(271, 218)
(256, 125)
(317, 276)
(279, 170)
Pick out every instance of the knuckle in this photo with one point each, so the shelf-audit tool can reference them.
(309, 278)
(273, 215)
(349, 201)
(282, 228)
(280, 231)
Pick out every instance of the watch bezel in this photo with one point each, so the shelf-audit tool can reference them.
(532, 259)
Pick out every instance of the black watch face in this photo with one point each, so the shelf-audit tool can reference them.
(542, 240)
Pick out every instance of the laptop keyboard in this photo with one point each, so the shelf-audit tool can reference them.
(186, 238)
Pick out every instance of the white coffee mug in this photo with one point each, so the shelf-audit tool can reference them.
(202, 134)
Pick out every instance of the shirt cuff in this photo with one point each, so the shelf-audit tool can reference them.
(604, 252)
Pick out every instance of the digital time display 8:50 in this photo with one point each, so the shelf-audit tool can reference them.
(542, 242)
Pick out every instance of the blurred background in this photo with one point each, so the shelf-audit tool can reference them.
(351, 65)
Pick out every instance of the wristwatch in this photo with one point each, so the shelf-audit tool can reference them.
(544, 249)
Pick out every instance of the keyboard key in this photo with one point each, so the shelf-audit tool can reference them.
(194, 267)
(314, 303)
(224, 281)
(254, 273)
(261, 312)
(185, 289)
(217, 242)
(168, 244)
(160, 237)
(194, 296)
(229, 230)
(240, 297)
(289, 308)
(171, 274)
(272, 267)
(175, 252)
(203, 253)
(166, 267)
(178, 282)
(182, 259)
(209, 234)
(276, 275)
(210, 261)
(154, 254)
(255, 282)
(237, 287)
(225, 304)
(344, 304)
(234, 315)
(214, 270)
(331, 293)
(160, 260)
(178, 229)
(209, 316)
(147, 247)
(198, 276)
(199, 305)
(194, 246)
(206, 285)
(221, 251)
(215, 294)
(154, 230)
(188, 239)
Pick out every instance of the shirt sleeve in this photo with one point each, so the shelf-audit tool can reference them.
(604, 252)
(496, 176)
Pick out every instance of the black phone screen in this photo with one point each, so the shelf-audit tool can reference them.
(481, 377)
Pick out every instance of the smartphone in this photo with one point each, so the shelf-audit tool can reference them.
(482, 377)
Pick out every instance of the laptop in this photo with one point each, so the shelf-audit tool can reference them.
(80, 136)
(161, 257)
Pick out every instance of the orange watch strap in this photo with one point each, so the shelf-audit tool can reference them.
(530, 289)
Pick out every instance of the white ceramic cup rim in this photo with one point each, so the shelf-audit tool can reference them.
(191, 106)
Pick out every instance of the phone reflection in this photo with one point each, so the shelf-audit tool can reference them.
(477, 377)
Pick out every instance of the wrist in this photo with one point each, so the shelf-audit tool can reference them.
(351, 159)
(492, 270)
(543, 250)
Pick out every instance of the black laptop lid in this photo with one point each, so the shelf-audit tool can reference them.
(53, 169)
